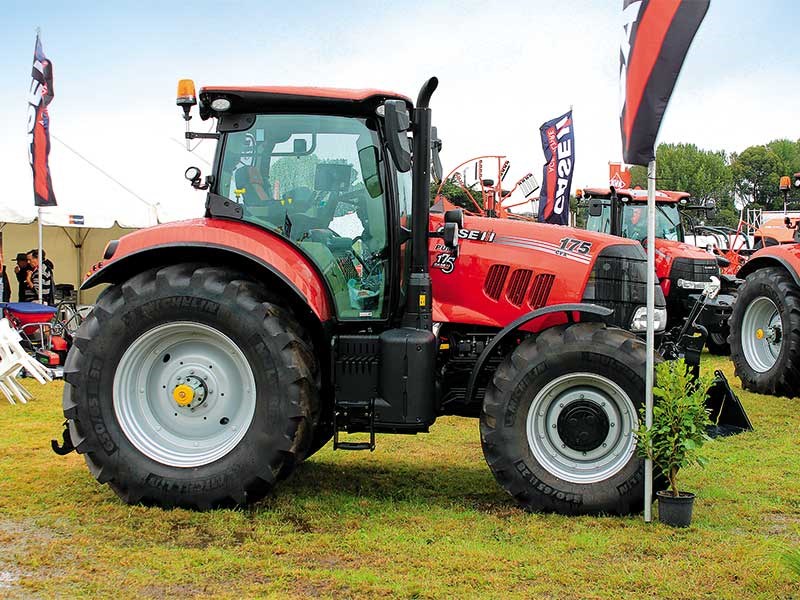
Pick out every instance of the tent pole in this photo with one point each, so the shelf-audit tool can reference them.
(40, 255)
(651, 301)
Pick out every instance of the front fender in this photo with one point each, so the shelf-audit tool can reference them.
(236, 244)
(591, 310)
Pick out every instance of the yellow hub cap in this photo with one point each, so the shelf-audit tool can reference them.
(760, 334)
(183, 395)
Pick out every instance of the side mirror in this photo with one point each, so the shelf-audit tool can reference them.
(436, 162)
(368, 160)
(450, 235)
(398, 122)
(455, 216)
(595, 208)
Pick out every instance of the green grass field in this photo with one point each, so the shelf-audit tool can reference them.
(421, 517)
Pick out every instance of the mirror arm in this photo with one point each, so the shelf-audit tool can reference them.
(195, 135)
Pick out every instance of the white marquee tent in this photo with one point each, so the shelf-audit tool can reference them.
(102, 192)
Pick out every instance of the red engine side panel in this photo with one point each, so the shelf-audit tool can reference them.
(239, 237)
(493, 280)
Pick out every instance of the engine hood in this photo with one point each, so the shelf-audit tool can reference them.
(677, 249)
(505, 268)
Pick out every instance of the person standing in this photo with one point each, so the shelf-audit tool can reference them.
(5, 294)
(33, 279)
(21, 270)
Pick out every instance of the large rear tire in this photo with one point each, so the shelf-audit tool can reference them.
(559, 420)
(765, 333)
(186, 387)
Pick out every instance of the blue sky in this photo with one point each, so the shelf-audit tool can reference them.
(504, 67)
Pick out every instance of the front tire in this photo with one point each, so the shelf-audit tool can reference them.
(765, 333)
(717, 343)
(559, 420)
(187, 387)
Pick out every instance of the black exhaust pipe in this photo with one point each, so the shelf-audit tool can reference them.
(418, 309)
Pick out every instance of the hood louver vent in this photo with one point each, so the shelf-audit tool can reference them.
(540, 290)
(495, 280)
(518, 285)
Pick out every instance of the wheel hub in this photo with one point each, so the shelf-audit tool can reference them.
(191, 393)
(762, 334)
(184, 394)
(580, 427)
(583, 426)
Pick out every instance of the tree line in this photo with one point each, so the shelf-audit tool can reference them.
(751, 176)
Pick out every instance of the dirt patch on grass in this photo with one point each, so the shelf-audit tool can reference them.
(17, 538)
(786, 525)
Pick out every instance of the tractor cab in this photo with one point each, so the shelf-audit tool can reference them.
(309, 165)
(624, 213)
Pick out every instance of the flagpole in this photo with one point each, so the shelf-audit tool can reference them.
(651, 301)
(39, 218)
(41, 264)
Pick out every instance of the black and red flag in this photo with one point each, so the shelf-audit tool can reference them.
(558, 144)
(657, 36)
(39, 97)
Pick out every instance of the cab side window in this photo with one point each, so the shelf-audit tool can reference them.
(316, 180)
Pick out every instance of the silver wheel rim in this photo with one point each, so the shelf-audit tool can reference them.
(605, 400)
(150, 404)
(762, 334)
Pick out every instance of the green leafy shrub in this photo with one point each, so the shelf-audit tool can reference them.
(680, 418)
(792, 560)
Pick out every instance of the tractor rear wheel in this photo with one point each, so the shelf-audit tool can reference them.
(765, 333)
(559, 420)
(187, 387)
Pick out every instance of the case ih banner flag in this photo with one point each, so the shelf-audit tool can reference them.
(558, 144)
(39, 97)
(656, 37)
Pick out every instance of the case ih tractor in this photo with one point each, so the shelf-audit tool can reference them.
(765, 326)
(320, 296)
(683, 270)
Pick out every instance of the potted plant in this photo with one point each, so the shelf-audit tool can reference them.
(680, 418)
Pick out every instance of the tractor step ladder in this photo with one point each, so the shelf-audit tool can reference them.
(346, 414)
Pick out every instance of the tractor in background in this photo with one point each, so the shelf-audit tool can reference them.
(322, 296)
(765, 325)
(682, 270)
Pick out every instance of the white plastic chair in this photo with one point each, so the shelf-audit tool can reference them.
(13, 359)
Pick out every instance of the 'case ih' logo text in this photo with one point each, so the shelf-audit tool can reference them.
(562, 160)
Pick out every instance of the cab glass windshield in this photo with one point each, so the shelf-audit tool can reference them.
(634, 222)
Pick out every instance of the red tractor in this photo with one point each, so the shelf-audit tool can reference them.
(683, 270)
(321, 295)
(765, 325)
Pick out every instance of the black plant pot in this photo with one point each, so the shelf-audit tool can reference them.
(675, 511)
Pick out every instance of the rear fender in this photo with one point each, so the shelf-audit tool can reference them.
(591, 311)
(265, 255)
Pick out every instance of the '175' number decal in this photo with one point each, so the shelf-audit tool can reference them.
(577, 246)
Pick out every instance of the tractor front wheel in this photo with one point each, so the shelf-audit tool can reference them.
(765, 333)
(188, 387)
(559, 420)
